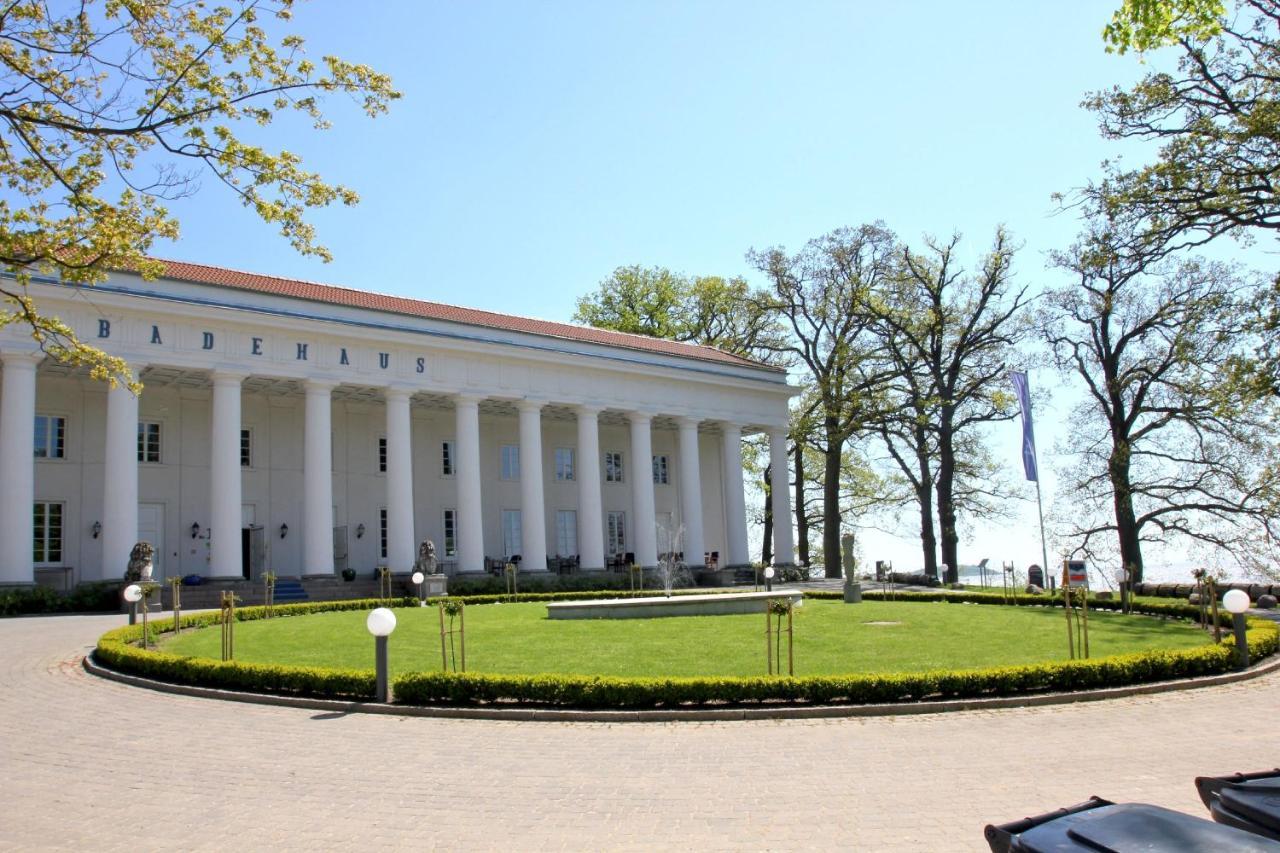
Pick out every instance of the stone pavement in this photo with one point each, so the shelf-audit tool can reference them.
(89, 764)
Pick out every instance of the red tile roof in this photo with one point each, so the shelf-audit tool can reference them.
(334, 295)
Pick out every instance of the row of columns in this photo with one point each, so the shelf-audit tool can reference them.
(120, 512)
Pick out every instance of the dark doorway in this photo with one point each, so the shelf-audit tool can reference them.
(245, 551)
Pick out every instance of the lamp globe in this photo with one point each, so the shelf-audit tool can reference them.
(1236, 600)
(381, 622)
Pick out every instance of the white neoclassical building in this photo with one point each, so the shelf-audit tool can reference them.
(304, 428)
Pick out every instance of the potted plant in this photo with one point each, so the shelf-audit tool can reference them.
(348, 574)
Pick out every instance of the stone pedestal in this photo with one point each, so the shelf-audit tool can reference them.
(852, 591)
(436, 585)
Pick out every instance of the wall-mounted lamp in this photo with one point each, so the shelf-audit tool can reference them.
(195, 529)
(359, 531)
(284, 530)
(96, 529)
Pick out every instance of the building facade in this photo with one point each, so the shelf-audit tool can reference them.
(302, 429)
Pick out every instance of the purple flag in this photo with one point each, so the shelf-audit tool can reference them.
(1023, 390)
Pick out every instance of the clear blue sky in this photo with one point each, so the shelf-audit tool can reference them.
(540, 145)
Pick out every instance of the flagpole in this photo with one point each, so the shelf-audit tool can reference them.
(1044, 548)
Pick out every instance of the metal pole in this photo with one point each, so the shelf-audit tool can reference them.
(1044, 548)
(380, 655)
(1242, 643)
(133, 612)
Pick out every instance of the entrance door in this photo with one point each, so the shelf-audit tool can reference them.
(339, 549)
(151, 529)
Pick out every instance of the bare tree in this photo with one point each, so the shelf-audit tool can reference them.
(1166, 446)
(952, 335)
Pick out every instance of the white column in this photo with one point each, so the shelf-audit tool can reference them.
(225, 557)
(17, 467)
(120, 481)
(644, 533)
(735, 504)
(691, 493)
(317, 481)
(401, 550)
(784, 549)
(470, 519)
(590, 513)
(533, 513)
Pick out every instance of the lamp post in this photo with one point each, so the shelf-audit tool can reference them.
(768, 579)
(1237, 602)
(133, 594)
(381, 622)
(419, 578)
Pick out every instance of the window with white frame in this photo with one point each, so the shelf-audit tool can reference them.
(148, 441)
(510, 532)
(510, 462)
(382, 454)
(613, 466)
(246, 448)
(564, 464)
(47, 539)
(51, 437)
(451, 533)
(617, 530)
(566, 532)
(382, 533)
(446, 458)
(660, 475)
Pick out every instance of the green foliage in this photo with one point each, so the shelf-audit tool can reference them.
(1147, 24)
(113, 107)
(657, 303)
(86, 598)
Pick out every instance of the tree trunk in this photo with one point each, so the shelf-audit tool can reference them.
(1126, 520)
(802, 517)
(831, 504)
(946, 499)
(924, 496)
(766, 546)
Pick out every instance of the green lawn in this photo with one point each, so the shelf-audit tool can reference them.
(830, 637)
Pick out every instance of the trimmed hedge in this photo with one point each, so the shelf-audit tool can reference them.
(578, 691)
(118, 649)
(86, 598)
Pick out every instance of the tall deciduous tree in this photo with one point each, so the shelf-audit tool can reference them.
(952, 334)
(820, 293)
(1165, 448)
(108, 109)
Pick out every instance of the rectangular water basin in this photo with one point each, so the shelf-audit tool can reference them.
(713, 604)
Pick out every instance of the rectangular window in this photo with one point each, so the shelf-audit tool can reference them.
(613, 467)
(450, 532)
(564, 464)
(382, 533)
(617, 528)
(246, 448)
(47, 533)
(660, 476)
(51, 437)
(446, 459)
(148, 441)
(566, 532)
(510, 462)
(382, 455)
(510, 532)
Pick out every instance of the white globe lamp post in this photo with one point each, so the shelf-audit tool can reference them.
(419, 578)
(768, 579)
(1237, 602)
(381, 622)
(133, 594)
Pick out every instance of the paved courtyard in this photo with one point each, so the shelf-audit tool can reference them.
(92, 765)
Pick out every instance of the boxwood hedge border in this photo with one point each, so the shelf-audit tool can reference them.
(118, 650)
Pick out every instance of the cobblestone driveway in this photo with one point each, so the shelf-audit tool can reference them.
(92, 765)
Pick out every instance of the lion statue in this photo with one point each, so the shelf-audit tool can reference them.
(140, 562)
(426, 562)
